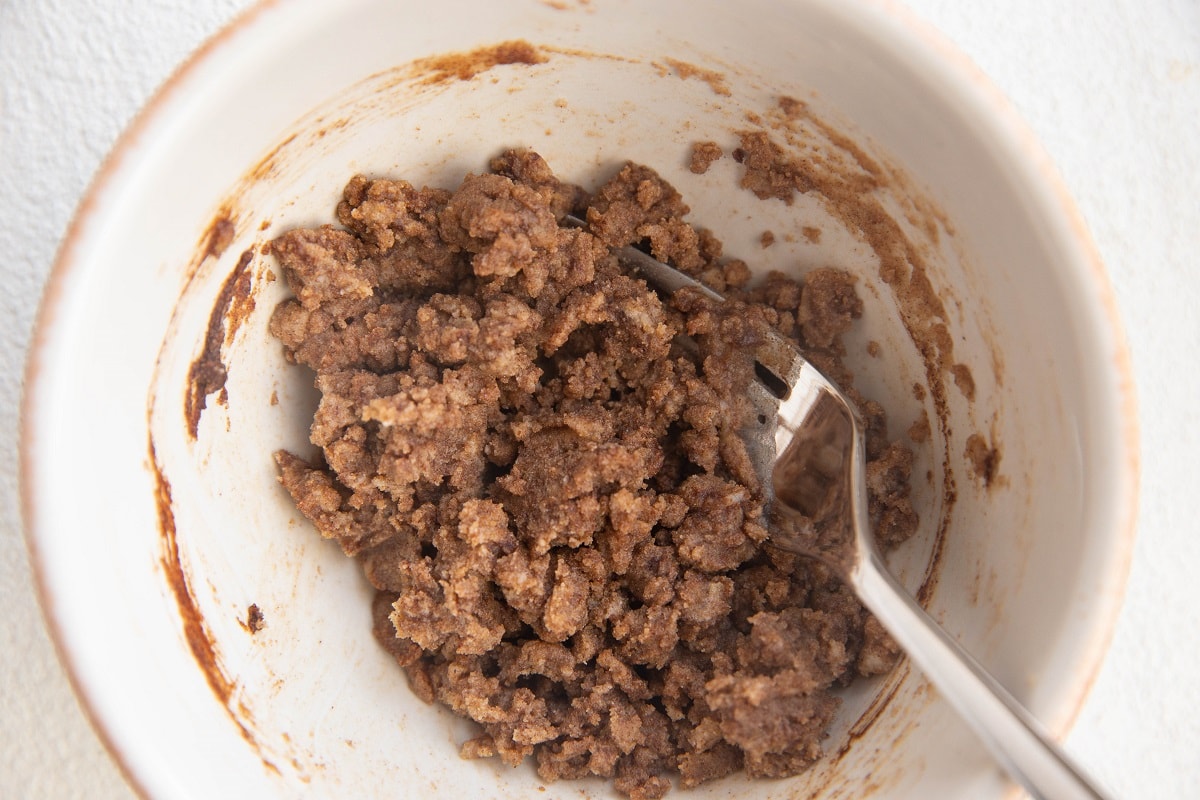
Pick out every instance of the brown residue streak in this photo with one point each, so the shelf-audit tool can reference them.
(336, 125)
(464, 66)
(878, 705)
(205, 376)
(194, 630)
(933, 571)
(219, 235)
(241, 304)
(920, 431)
(997, 363)
(575, 52)
(207, 373)
(964, 380)
(268, 164)
(714, 79)
(797, 109)
(983, 460)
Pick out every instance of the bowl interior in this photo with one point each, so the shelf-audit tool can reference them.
(152, 561)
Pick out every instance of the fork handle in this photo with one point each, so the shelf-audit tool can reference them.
(1016, 739)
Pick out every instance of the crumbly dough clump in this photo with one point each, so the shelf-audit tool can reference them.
(546, 485)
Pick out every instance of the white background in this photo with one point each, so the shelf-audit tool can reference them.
(1111, 88)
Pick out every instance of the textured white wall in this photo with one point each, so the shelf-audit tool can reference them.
(1112, 89)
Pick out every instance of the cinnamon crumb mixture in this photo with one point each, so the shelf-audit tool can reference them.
(547, 487)
(703, 156)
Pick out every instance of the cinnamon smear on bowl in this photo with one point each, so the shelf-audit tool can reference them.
(466, 65)
(207, 373)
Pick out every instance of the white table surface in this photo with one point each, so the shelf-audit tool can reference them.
(1112, 89)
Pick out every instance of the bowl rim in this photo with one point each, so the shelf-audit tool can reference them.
(1003, 118)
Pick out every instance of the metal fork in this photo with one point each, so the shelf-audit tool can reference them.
(810, 450)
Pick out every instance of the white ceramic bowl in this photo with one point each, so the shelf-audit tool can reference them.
(151, 547)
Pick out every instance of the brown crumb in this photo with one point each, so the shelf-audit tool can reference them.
(769, 172)
(812, 235)
(551, 495)
(767, 239)
(873, 349)
(983, 459)
(703, 156)
(254, 619)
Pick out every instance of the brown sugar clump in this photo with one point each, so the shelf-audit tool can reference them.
(703, 156)
(546, 484)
